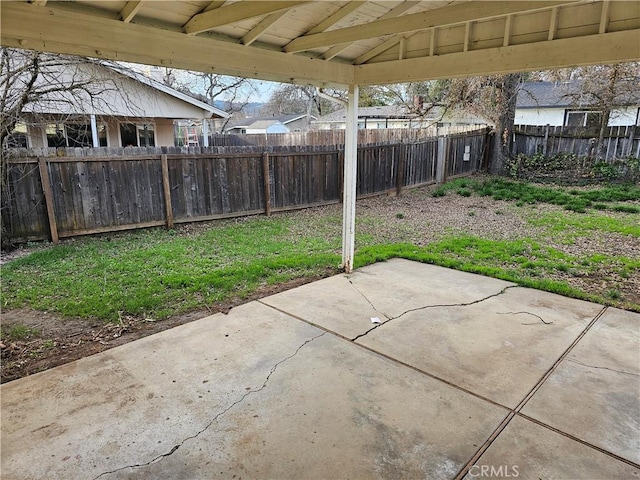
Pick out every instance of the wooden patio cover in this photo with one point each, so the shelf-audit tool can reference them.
(334, 43)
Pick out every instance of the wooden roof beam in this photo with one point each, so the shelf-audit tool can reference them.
(235, 12)
(253, 34)
(452, 15)
(611, 47)
(394, 12)
(59, 30)
(130, 10)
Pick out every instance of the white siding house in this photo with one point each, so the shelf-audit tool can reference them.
(551, 103)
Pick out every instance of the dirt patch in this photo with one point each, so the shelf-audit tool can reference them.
(52, 340)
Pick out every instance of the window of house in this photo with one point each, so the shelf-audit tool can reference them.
(583, 118)
(79, 135)
(55, 136)
(102, 135)
(74, 135)
(18, 138)
(142, 135)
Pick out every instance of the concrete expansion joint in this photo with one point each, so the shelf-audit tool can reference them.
(436, 306)
(217, 416)
(603, 368)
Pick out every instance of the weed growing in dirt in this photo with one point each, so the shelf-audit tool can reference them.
(16, 332)
(526, 193)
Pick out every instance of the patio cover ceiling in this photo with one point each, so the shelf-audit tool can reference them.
(333, 43)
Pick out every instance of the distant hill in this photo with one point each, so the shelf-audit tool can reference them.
(250, 109)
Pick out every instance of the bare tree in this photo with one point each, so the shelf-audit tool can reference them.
(33, 84)
(492, 98)
(288, 99)
(235, 92)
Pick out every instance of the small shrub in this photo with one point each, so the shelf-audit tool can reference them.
(439, 192)
(400, 216)
(604, 170)
(626, 208)
(464, 192)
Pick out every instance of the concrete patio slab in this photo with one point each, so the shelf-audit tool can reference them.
(255, 393)
(135, 402)
(594, 394)
(336, 412)
(384, 290)
(347, 313)
(528, 451)
(498, 348)
(262, 393)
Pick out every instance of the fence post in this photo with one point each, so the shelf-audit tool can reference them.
(400, 161)
(341, 174)
(441, 170)
(546, 140)
(48, 198)
(267, 184)
(166, 187)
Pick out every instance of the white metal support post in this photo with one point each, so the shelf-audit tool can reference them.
(350, 171)
(94, 131)
(205, 132)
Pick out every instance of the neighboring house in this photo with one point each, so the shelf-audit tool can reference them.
(270, 124)
(551, 103)
(120, 108)
(394, 117)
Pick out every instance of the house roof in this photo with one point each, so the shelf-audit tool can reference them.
(561, 95)
(333, 42)
(264, 124)
(386, 112)
(249, 121)
(165, 88)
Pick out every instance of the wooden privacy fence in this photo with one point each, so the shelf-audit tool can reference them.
(67, 196)
(619, 142)
(366, 136)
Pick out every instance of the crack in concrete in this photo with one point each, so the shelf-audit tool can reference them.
(526, 313)
(433, 306)
(217, 416)
(368, 301)
(603, 368)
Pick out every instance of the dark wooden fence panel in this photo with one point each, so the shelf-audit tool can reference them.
(304, 179)
(420, 163)
(464, 154)
(91, 194)
(25, 215)
(619, 142)
(376, 172)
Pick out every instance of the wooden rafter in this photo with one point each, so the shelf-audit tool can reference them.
(213, 5)
(130, 10)
(455, 14)
(253, 34)
(394, 12)
(235, 12)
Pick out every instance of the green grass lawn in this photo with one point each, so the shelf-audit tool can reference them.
(157, 273)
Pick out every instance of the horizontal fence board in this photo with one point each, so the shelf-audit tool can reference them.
(94, 193)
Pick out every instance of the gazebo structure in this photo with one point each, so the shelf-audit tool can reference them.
(342, 44)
